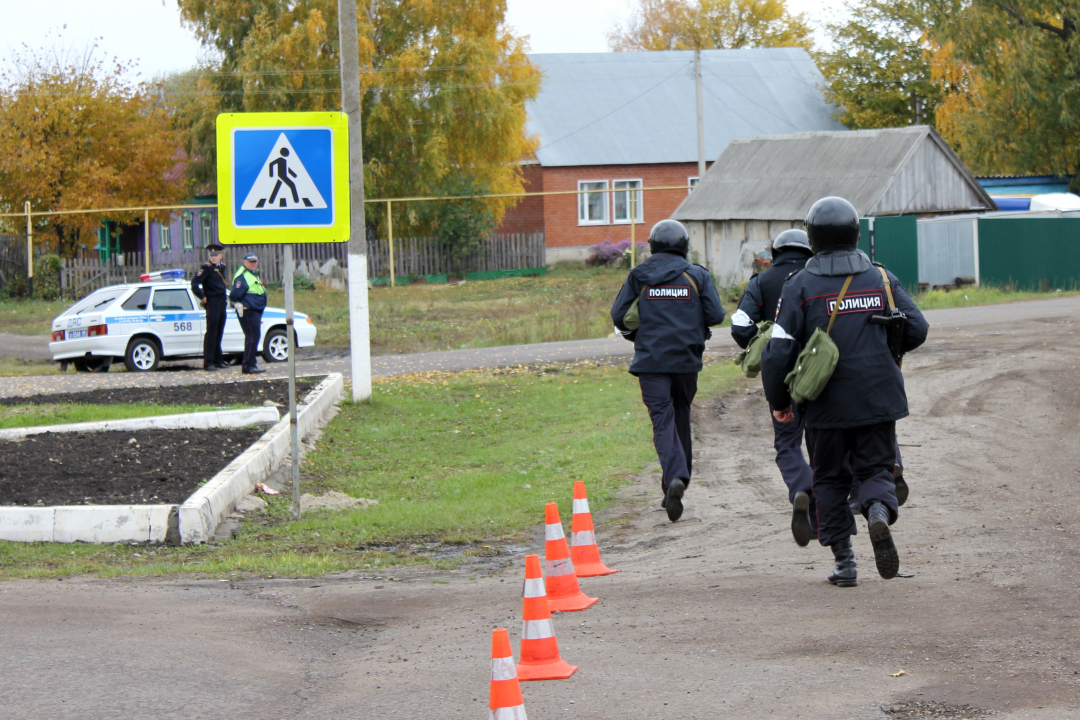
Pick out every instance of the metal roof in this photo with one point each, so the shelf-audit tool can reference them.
(881, 172)
(638, 107)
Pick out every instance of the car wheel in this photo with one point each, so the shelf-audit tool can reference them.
(143, 355)
(276, 346)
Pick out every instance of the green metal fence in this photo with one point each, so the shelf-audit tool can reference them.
(1031, 253)
(896, 246)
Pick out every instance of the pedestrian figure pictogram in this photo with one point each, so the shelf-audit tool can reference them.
(284, 183)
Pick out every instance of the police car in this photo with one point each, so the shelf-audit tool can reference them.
(156, 319)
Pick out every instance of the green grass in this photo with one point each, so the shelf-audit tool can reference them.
(465, 459)
(30, 317)
(33, 415)
(13, 367)
(983, 295)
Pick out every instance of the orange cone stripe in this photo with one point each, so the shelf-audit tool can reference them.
(584, 551)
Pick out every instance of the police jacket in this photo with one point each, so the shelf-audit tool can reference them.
(867, 387)
(210, 282)
(763, 293)
(674, 316)
(248, 290)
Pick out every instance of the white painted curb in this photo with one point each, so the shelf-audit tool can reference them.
(202, 512)
(192, 522)
(197, 421)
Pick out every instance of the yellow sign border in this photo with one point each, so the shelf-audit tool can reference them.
(228, 232)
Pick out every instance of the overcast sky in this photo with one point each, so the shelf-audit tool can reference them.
(149, 31)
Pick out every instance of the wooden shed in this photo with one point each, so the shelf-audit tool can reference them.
(761, 186)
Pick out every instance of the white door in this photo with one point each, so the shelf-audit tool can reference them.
(232, 339)
(174, 319)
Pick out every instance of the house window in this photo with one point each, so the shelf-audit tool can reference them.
(631, 190)
(592, 202)
(692, 182)
(189, 232)
(205, 229)
(165, 237)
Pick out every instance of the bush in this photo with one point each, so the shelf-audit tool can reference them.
(302, 282)
(614, 253)
(47, 277)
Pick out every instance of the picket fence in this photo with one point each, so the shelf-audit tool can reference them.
(412, 257)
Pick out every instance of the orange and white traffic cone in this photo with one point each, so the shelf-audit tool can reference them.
(539, 650)
(506, 702)
(564, 593)
(583, 549)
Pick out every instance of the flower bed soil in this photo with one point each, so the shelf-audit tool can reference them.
(107, 468)
(252, 392)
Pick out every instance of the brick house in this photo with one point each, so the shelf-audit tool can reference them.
(610, 123)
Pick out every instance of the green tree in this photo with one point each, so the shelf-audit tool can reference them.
(75, 134)
(1013, 67)
(879, 65)
(710, 25)
(460, 225)
(445, 86)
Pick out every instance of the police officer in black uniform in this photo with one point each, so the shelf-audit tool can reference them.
(851, 425)
(212, 289)
(790, 251)
(677, 304)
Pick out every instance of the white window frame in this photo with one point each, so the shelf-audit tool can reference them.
(165, 237)
(188, 231)
(639, 201)
(583, 197)
(692, 181)
(206, 229)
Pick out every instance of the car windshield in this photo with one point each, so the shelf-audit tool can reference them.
(97, 301)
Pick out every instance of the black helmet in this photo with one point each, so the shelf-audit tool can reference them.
(832, 224)
(669, 236)
(791, 240)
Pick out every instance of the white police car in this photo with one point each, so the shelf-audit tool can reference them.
(146, 322)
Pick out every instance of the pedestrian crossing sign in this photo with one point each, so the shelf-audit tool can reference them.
(283, 177)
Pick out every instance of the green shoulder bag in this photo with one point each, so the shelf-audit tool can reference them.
(817, 361)
(749, 360)
(632, 319)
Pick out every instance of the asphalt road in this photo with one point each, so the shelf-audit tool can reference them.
(717, 616)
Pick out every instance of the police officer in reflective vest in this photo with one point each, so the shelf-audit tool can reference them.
(851, 424)
(790, 251)
(676, 305)
(249, 297)
(212, 289)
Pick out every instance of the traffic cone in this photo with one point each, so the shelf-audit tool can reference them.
(583, 549)
(506, 702)
(563, 592)
(539, 651)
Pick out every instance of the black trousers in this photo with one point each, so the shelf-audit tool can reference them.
(668, 397)
(215, 329)
(251, 322)
(841, 457)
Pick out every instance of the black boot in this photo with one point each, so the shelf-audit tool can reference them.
(673, 505)
(888, 560)
(800, 519)
(901, 484)
(844, 575)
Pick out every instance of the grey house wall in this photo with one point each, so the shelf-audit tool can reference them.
(728, 247)
(947, 250)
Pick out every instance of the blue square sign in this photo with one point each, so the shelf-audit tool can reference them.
(283, 177)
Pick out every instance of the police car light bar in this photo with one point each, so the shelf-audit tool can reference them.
(174, 274)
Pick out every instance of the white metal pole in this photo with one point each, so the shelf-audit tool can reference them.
(29, 250)
(359, 331)
(146, 248)
(290, 337)
(700, 117)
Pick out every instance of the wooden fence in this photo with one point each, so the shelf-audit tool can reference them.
(412, 256)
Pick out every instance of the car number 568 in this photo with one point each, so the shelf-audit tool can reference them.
(181, 326)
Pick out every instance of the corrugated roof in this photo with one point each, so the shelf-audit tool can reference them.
(887, 171)
(639, 107)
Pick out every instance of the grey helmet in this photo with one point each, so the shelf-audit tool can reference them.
(791, 240)
(669, 236)
(832, 224)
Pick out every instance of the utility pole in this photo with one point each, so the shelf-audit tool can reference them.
(700, 117)
(359, 331)
(29, 250)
